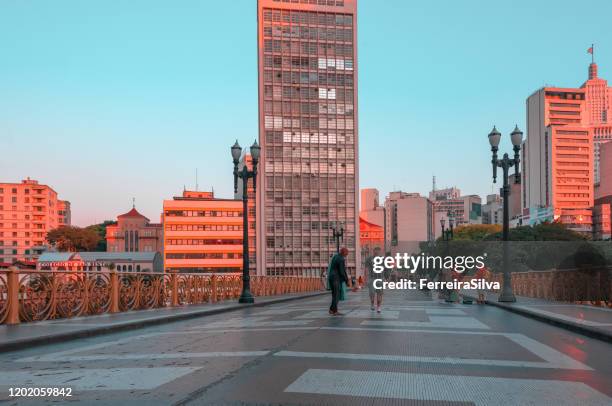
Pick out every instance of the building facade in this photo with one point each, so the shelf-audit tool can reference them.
(448, 202)
(202, 233)
(409, 221)
(370, 209)
(100, 261)
(134, 233)
(493, 210)
(308, 179)
(558, 156)
(28, 211)
(370, 236)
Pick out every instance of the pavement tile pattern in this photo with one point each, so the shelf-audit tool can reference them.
(418, 350)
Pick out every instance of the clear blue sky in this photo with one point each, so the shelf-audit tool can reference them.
(109, 100)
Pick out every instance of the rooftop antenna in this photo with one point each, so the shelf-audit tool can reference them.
(196, 186)
(434, 183)
(133, 202)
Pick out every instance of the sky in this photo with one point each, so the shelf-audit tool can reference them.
(110, 100)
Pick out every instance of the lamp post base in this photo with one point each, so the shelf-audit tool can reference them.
(246, 297)
(506, 297)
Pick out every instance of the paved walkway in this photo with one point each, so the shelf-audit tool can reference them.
(417, 351)
(25, 335)
(581, 318)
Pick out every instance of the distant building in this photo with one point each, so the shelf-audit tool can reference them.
(370, 210)
(603, 196)
(28, 211)
(410, 218)
(100, 261)
(602, 222)
(493, 210)
(463, 209)
(370, 236)
(134, 233)
(202, 233)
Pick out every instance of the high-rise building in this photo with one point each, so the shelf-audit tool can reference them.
(449, 203)
(492, 211)
(28, 211)
(558, 157)
(598, 117)
(410, 220)
(202, 233)
(308, 133)
(134, 233)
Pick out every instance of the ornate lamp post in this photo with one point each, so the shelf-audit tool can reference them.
(245, 174)
(506, 163)
(451, 223)
(338, 234)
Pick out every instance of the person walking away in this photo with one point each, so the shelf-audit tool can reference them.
(376, 294)
(337, 275)
(482, 273)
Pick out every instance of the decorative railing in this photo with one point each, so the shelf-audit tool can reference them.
(28, 295)
(591, 286)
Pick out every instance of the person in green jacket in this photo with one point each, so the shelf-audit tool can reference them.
(337, 275)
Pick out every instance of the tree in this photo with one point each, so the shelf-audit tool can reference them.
(72, 238)
(100, 229)
(475, 232)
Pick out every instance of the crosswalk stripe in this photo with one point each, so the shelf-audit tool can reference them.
(482, 391)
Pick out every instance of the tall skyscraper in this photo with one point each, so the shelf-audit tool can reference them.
(308, 133)
(558, 157)
(598, 96)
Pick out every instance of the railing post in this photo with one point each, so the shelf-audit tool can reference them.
(213, 288)
(114, 302)
(13, 295)
(174, 287)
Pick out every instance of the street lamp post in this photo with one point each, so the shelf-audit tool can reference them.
(245, 174)
(338, 234)
(442, 224)
(506, 163)
(451, 223)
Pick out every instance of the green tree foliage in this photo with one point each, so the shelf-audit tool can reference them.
(100, 229)
(475, 232)
(72, 238)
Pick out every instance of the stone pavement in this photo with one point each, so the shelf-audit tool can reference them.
(25, 335)
(417, 351)
(591, 320)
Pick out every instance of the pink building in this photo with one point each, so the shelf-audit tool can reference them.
(134, 233)
(307, 53)
(410, 220)
(28, 211)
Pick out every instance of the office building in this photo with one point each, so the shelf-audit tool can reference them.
(558, 157)
(493, 210)
(28, 211)
(409, 221)
(308, 179)
(202, 233)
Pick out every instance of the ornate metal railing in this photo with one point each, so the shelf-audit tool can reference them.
(28, 295)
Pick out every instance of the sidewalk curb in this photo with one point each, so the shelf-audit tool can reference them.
(592, 332)
(26, 343)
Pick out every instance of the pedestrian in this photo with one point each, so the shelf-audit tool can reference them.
(337, 275)
(483, 274)
(376, 294)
